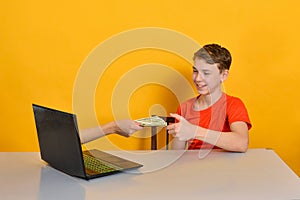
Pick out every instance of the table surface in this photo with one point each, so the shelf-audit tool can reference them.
(256, 174)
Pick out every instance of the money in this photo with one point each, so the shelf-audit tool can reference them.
(152, 121)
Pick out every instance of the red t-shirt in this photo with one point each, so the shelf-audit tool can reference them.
(218, 117)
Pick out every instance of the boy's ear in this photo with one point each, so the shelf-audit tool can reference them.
(224, 75)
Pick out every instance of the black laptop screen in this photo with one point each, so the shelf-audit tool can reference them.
(58, 140)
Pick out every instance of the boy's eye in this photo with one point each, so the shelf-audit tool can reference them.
(206, 72)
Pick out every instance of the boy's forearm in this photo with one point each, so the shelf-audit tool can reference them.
(230, 141)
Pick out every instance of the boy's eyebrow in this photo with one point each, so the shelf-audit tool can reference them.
(204, 70)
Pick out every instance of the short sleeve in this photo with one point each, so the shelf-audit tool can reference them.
(236, 111)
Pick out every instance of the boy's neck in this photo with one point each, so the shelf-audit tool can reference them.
(205, 101)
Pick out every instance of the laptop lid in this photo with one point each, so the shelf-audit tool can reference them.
(60, 145)
(59, 141)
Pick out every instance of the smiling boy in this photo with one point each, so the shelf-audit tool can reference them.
(213, 119)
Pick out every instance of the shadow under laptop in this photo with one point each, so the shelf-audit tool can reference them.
(59, 186)
(114, 187)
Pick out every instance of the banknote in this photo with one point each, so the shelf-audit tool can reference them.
(152, 121)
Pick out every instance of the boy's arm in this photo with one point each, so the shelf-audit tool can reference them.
(176, 144)
(236, 140)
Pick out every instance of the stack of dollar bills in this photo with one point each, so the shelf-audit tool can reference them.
(152, 121)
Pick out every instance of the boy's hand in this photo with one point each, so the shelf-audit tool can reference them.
(183, 130)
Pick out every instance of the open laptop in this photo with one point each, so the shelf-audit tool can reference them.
(60, 147)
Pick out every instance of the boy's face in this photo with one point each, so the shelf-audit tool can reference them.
(207, 77)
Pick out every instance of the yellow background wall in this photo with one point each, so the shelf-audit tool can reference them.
(43, 44)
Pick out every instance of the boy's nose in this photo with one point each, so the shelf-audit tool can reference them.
(199, 77)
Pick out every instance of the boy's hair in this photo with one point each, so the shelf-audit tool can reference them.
(214, 53)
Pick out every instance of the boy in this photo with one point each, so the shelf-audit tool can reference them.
(213, 119)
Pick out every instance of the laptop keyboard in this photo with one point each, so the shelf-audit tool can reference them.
(98, 166)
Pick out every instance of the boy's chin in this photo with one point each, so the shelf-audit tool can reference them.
(202, 92)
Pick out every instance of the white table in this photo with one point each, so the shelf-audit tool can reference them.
(257, 174)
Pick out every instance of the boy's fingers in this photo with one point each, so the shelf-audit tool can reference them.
(176, 116)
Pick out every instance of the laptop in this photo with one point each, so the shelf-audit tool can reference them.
(60, 147)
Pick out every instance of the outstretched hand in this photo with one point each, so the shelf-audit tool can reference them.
(183, 129)
(127, 127)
